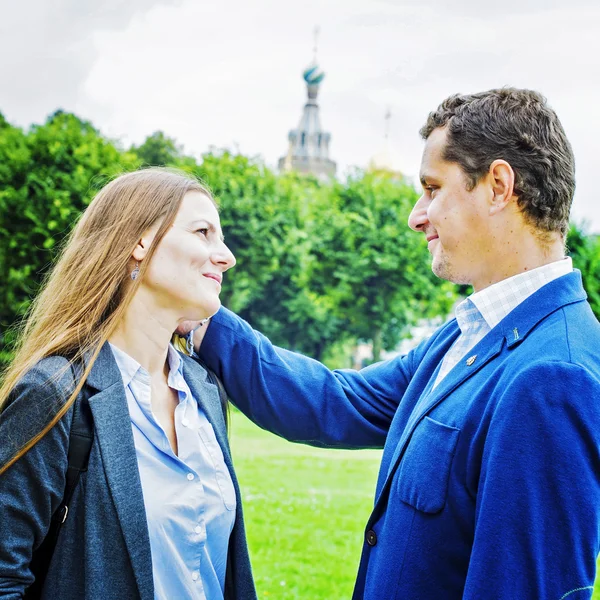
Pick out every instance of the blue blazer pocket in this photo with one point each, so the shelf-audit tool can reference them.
(424, 472)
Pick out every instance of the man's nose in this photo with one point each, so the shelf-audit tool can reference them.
(418, 217)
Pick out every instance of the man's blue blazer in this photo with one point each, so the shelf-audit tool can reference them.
(489, 486)
(103, 550)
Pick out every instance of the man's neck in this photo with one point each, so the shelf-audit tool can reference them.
(529, 254)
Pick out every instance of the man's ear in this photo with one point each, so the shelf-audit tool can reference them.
(502, 178)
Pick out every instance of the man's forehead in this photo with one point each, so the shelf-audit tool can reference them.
(432, 159)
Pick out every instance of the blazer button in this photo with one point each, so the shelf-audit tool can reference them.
(371, 537)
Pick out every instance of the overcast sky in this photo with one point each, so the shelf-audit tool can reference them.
(228, 73)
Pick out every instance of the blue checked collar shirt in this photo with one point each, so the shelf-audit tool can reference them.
(189, 498)
(478, 314)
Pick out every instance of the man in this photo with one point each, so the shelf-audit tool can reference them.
(489, 485)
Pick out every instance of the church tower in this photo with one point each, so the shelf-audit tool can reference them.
(308, 145)
(386, 160)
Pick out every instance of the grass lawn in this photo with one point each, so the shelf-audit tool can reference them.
(305, 511)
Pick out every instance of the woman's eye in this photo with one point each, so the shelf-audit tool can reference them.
(203, 231)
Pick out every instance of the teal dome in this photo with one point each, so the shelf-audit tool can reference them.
(313, 75)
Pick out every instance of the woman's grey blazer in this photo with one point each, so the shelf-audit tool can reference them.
(103, 550)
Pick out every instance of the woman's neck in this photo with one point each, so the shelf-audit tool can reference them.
(145, 333)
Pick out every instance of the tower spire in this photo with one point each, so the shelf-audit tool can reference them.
(386, 160)
(308, 149)
(388, 118)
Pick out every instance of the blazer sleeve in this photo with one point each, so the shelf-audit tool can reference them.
(32, 488)
(297, 397)
(537, 517)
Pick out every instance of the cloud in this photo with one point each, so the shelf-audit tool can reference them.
(47, 51)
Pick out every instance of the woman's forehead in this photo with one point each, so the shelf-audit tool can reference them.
(197, 205)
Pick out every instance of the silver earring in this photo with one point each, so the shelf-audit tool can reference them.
(136, 271)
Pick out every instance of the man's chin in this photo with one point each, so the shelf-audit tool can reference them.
(440, 269)
(443, 270)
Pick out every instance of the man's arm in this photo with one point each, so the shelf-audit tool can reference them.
(299, 398)
(538, 502)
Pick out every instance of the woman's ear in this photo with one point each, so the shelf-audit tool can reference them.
(503, 185)
(143, 245)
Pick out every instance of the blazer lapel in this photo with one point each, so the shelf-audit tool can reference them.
(485, 351)
(196, 378)
(115, 438)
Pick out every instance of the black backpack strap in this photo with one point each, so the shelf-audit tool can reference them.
(81, 438)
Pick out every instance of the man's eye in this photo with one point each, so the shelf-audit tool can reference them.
(203, 231)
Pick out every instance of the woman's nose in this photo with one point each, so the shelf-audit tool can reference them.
(418, 216)
(224, 257)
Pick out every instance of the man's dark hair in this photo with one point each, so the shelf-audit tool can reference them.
(519, 127)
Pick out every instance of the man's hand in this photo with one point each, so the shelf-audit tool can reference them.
(198, 327)
(186, 326)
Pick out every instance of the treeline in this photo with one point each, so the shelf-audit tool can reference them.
(320, 266)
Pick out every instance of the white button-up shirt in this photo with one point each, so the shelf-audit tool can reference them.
(189, 498)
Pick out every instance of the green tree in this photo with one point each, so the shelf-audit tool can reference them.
(158, 150)
(262, 216)
(253, 219)
(295, 314)
(584, 249)
(47, 176)
(374, 267)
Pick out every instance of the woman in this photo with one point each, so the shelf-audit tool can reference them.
(157, 514)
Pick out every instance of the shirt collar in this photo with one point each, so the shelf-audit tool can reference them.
(175, 363)
(498, 300)
(129, 367)
(467, 315)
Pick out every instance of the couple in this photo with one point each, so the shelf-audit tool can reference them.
(489, 486)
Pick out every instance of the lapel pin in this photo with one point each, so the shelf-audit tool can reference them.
(471, 360)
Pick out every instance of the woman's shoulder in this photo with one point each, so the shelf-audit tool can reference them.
(42, 389)
(34, 401)
(50, 374)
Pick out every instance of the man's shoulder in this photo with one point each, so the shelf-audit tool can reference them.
(560, 355)
(570, 334)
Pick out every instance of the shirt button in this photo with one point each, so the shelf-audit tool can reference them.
(371, 537)
(195, 575)
(190, 476)
(198, 529)
(185, 422)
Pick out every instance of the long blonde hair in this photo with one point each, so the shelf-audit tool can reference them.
(90, 287)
